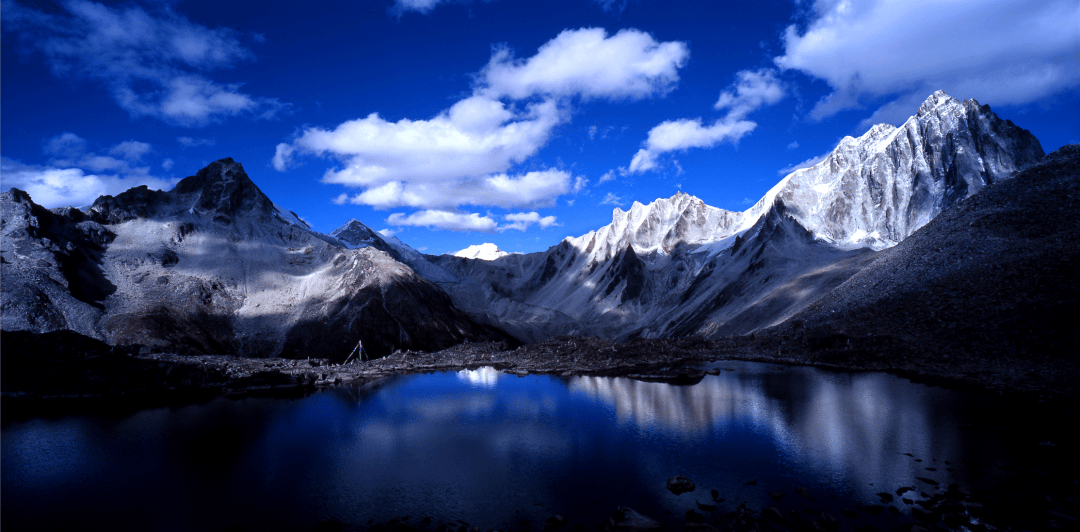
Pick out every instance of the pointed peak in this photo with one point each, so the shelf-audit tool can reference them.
(225, 188)
(935, 100)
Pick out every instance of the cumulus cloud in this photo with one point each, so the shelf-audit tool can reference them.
(608, 176)
(521, 221)
(684, 134)
(474, 137)
(752, 90)
(533, 189)
(462, 155)
(153, 61)
(446, 220)
(1004, 52)
(588, 63)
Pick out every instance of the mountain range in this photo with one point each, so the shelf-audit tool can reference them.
(215, 266)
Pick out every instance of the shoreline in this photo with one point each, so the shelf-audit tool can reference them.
(165, 378)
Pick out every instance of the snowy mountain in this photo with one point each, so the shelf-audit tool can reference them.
(678, 266)
(214, 266)
(485, 251)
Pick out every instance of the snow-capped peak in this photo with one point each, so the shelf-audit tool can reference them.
(877, 189)
(485, 251)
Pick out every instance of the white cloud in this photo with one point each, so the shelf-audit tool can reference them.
(611, 199)
(794, 144)
(1004, 52)
(69, 150)
(523, 220)
(152, 61)
(588, 63)
(608, 176)
(580, 183)
(461, 156)
(50, 186)
(76, 176)
(450, 221)
(683, 134)
(752, 90)
(476, 136)
(534, 189)
(388, 232)
(130, 150)
(167, 164)
(189, 142)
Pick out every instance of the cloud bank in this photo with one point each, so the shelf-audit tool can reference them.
(74, 176)
(1003, 52)
(154, 62)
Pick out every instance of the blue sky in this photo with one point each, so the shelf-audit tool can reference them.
(519, 122)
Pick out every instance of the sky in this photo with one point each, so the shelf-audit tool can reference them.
(448, 123)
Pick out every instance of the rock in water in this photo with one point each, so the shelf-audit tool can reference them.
(679, 485)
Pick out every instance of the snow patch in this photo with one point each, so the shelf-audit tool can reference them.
(485, 251)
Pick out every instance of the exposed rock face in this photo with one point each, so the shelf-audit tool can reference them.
(880, 188)
(678, 267)
(214, 266)
(990, 287)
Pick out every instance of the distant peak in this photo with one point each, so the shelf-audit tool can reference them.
(485, 251)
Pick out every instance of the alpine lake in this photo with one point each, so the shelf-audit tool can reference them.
(767, 447)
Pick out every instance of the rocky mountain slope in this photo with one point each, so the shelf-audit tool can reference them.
(214, 266)
(989, 288)
(678, 267)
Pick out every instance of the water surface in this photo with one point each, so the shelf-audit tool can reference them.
(491, 449)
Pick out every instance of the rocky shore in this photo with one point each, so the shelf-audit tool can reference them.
(66, 366)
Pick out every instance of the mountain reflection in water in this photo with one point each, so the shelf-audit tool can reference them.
(485, 447)
(848, 427)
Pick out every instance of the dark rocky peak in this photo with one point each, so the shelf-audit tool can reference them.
(138, 202)
(355, 233)
(225, 190)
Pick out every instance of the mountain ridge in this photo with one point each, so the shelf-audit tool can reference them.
(868, 194)
(214, 266)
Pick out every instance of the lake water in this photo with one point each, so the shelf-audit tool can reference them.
(493, 450)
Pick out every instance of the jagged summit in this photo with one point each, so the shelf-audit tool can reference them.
(677, 266)
(660, 226)
(222, 192)
(877, 189)
(214, 266)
